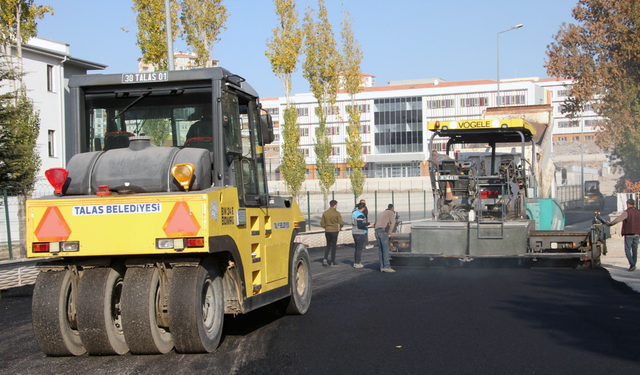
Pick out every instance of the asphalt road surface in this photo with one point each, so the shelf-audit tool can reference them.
(468, 320)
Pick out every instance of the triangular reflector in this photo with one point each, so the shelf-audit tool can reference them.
(52, 226)
(181, 221)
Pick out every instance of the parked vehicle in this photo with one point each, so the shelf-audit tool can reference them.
(593, 198)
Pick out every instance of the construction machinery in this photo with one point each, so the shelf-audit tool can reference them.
(487, 203)
(162, 222)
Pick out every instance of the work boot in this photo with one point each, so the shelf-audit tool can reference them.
(632, 268)
(325, 263)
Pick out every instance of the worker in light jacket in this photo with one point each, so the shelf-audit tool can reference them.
(332, 223)
(385, 223)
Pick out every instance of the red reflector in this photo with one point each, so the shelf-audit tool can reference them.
(40, 247)
(103, 190)
(486, 194)
(195, 242)
(57, 177)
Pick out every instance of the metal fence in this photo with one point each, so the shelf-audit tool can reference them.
(9, 223)
(624, 197)
(570, 196)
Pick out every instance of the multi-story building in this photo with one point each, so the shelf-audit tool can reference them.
(578, 129)
(181, 60)
(394, 119)
(48, 66)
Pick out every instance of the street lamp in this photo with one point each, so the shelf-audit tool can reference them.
(513, 28)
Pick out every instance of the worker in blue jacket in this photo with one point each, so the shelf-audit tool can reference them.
(359, 232)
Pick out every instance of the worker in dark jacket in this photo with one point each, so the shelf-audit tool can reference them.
(332, 223)
(385, 223)
(630, 219)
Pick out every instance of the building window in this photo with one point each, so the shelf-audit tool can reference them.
(562, 124)
(334, 130)
(51, 143)
(304, 132)
(335, 151)
(366, 129)
(590, 123)
(337, 173)
(273, 111)
(575, 138)
(513, 100)
(562, 139)
(474, 102)
(364, 108)
(366, 150)
(306, 152)
(397, 125)
(303, 112)
(440, 103)
(588, 138)
(50, 78)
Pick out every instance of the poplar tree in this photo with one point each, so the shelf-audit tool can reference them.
(283, 50)
(203, 21)
(352, 83)
(602, 56)
(12, 32)
(151, 20)
(320, 68)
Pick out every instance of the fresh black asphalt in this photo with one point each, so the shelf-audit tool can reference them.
(421, 320)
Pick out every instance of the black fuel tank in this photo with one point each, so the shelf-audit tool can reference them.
(140, 168)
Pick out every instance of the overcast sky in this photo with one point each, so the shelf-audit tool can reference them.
(403, 39)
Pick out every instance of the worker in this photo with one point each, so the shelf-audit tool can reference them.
(630, 219)
(359, 231)
(384, 225)
(332, 223)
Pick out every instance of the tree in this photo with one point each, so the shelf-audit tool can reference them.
(283, 50)
(320, 68)
(352, 82)
(203, 20)
(19, 129)
(158, 129)
(293, 163)
(12, 32)
(602, 56)
(284, 46)
(151, 20)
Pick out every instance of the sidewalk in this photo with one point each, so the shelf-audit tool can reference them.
(616, 262)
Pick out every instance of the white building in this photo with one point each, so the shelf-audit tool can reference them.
(181, 61)
(48, 66)
(394, 118)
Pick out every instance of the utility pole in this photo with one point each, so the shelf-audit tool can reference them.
(167, 13)
(513, 28)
